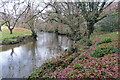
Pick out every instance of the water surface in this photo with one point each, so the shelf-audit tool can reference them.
(18, 61)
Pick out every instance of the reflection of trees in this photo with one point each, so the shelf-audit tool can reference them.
(12, 52)
(33, 52)
(10, 65)
(56, 42)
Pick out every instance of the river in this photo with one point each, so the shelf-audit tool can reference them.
(19, 60)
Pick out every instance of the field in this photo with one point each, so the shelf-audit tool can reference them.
(6, 37)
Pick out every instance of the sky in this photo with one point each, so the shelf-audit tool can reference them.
(9, 5)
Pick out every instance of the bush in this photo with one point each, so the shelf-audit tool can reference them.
(70, 59)
(77, 66)
(101, 51)
(106, 40)
(86, 47)
(91, 70)
(82, 56)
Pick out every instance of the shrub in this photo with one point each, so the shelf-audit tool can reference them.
(86, 47)
(91, 70)
(68, 75)
(70, 59)
(106, 40)
(82, 56)
(77, 66)
(101, 51)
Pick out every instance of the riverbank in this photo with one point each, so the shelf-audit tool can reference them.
(97, 61)
(19, 35)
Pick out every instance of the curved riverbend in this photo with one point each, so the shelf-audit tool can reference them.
(19, 61)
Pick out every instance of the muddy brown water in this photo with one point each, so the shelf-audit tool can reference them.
(19, 60)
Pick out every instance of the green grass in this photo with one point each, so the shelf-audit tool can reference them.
(5, 33)
(105, 40)
(112, 35)
(101, 51)
(20, 32)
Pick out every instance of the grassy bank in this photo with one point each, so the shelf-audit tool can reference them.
(97, 61)
(19, 35)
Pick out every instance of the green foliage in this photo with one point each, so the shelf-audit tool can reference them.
(106, 75)
(46, 76)
(105, 40)
(70, 59)
(110, 23)
(54, 63)
(104, 65)
(68, 76)
(86, 47)
(91, 70)
(101, 51)
(77, 66)
(82, 56)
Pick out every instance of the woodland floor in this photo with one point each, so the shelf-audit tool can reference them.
(82, 64)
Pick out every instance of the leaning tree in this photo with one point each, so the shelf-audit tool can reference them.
(92, 11)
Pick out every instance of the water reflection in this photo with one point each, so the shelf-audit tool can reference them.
(19, 61)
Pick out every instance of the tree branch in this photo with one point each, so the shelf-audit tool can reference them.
(37, 13)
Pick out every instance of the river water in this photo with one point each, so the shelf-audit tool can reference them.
(19, 60)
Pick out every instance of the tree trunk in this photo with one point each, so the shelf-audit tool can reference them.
(34, 34)
(11, 31)
(90, 27)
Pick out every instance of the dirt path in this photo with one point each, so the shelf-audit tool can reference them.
(63, 73)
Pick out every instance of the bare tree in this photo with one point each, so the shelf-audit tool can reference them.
(67, 14)
(10, 17)
(74, 14)
(92, 12)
